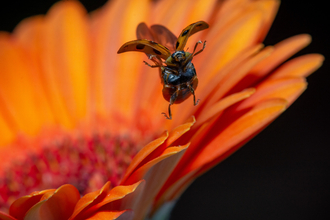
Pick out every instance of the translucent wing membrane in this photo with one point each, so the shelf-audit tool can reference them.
(158, 34)
(164, 36)
(143, 32)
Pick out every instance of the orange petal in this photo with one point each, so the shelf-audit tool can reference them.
(4, 216)
(119, 198)
(300, 66)
(68, 84)
(239, 36)
(30, 34)
(101, 215)
(171, 191)
(16, 96)
(206, 88)
(103, 75)
(201, 11)
(258, 117)
(156, 148)
(7, 133)
(144, 153)
(155, 173)
(282, 52)
(180, 130)
(19, 208)
(289, 88)
(270, 9)
(59, 206)
(139, 173)
(198, 10)
(90, 199)
(173, 15)
(204, 156)
(232, 78)
(173, 136)
(224, 103)
(126, 85)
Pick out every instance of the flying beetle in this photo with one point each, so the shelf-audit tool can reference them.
(178, 74)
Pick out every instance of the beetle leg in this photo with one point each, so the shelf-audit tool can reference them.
(156, 60)
(199, 42)
(193, 92)
(190, 57)
(172, 100)
(152, 66)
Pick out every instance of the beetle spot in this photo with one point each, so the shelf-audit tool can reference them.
(157, 51)
(140, 46)
(177, 44)
(185, 33)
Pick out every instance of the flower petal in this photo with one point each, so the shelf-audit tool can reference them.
(30, 35)
(140, 172)
(144, 153)
(204, 154)
(270, 9)
(90, 199)
(16, 96)
(234, 77)
(224, 103)
(20, 206)
(4, 216)
(282, 51)
(155, 148)
(205, 90)
(59, 206)
(155, 173)
(258, 117)
(66, 59)
(7, 133)
(237, 38)
(101, 215)
(126, 87)
(300, 66)
(117, 198)
(289, 88)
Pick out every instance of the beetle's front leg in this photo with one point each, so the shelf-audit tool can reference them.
(199, 42)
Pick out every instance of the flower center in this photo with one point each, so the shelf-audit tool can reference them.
(86, 163)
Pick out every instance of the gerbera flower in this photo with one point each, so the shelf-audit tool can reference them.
(82, 134)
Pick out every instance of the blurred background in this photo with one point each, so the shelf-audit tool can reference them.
(283, 173)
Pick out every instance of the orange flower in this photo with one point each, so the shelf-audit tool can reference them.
(73, 111)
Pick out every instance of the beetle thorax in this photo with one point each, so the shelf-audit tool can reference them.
(179, 56)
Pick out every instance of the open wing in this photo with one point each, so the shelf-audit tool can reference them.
(188, 31)
(164, 36)
(146, 46)
(157, 33)
(143, 32)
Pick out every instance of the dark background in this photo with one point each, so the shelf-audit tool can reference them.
(283, 173)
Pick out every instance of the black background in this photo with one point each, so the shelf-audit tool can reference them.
(283, 173)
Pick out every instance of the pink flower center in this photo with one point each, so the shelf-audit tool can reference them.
(85, 163)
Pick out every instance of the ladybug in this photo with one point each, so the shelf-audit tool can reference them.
(177, 72)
